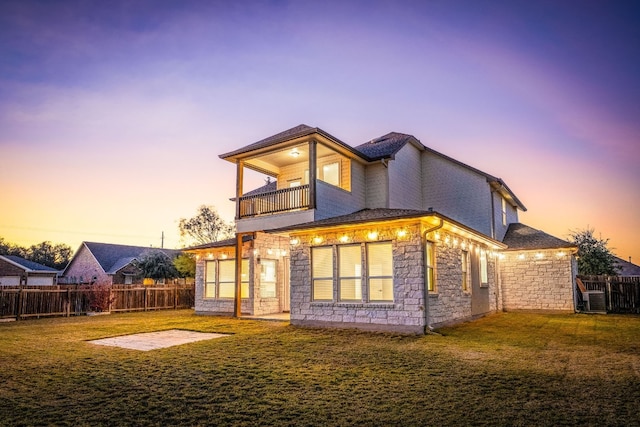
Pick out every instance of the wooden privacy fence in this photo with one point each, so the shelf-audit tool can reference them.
(72, 300)
(622, 293)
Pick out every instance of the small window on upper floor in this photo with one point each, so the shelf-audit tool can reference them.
(331, 173)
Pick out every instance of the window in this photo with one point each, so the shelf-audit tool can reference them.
(128, 279)
(225, 279)
(430, 267)
(322, 273)
(268, 274)
(350, 277)
(504, 211)
(210, 279)
(380, 271)
(331, 173)
(350, 273)
(465, 270)
(483, 269)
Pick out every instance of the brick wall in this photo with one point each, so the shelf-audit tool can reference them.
(537, 280)
(84, 267)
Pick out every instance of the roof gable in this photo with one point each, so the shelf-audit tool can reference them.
(385, 146)
(522, 237)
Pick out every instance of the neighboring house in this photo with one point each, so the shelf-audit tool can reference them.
(387, 235)
(17, 271)
(107, 263)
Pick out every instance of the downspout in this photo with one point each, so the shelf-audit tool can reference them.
(427, 328)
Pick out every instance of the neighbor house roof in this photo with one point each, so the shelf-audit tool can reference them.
(522, 237)
(28, 266)
(626, 268)
(112, 257)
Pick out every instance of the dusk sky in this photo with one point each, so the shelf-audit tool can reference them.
(113, 113)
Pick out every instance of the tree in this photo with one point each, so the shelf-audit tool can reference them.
(594, 257)
(156, 265)
(45, 253)
(7, 248)
(186, 265)
(206, 227)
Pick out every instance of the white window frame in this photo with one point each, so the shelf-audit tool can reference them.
(504, 211)
(357, 278)
(268, 289)
(382, 277)
(430, 266)
(464, 259)
(215, 283)
(316, 280)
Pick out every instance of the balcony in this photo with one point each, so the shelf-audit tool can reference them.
(283, 200)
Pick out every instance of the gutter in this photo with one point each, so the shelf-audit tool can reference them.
(427, 328)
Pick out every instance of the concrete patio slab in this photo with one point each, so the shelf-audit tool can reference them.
(155, 340)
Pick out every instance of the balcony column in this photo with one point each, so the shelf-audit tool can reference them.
(312, 173)
(239, 182)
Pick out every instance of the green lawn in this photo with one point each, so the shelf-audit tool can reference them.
(507, 369)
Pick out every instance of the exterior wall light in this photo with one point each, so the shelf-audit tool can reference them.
(344, 239)
(521, 256)
(317, 240)
(372, 235)
(539, 255)
(294, 241)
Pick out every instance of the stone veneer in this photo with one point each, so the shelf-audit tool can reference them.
(538, 280)
(264, 246)
(449, 304)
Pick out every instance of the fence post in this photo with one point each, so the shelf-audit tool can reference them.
(610, 303)
(19, 307)
(146, 297)
(68, 302)
(175, 296)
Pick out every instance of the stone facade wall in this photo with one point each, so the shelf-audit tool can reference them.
(448, 304)
(220, 305)
(538, 280)
(404, 314)
(264, 246)
(269, 247)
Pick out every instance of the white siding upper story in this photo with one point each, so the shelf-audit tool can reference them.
(377, 188)
(456, 192)
(405, 179)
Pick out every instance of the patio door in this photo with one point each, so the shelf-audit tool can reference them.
(479, 292)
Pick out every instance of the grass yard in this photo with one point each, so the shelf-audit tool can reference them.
(509, 369)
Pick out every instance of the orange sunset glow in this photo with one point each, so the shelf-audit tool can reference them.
(112, 115)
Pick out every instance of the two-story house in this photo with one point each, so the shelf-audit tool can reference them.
(386, 235)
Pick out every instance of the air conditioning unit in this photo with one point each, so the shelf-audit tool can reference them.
(594, 301)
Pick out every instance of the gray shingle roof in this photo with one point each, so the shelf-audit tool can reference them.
(522, 237)
(626, 268)
(30, 265)
(362, 216)
(110, 255)
(385, 146)
(220, 244)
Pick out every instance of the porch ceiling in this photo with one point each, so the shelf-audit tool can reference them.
(271, 162)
